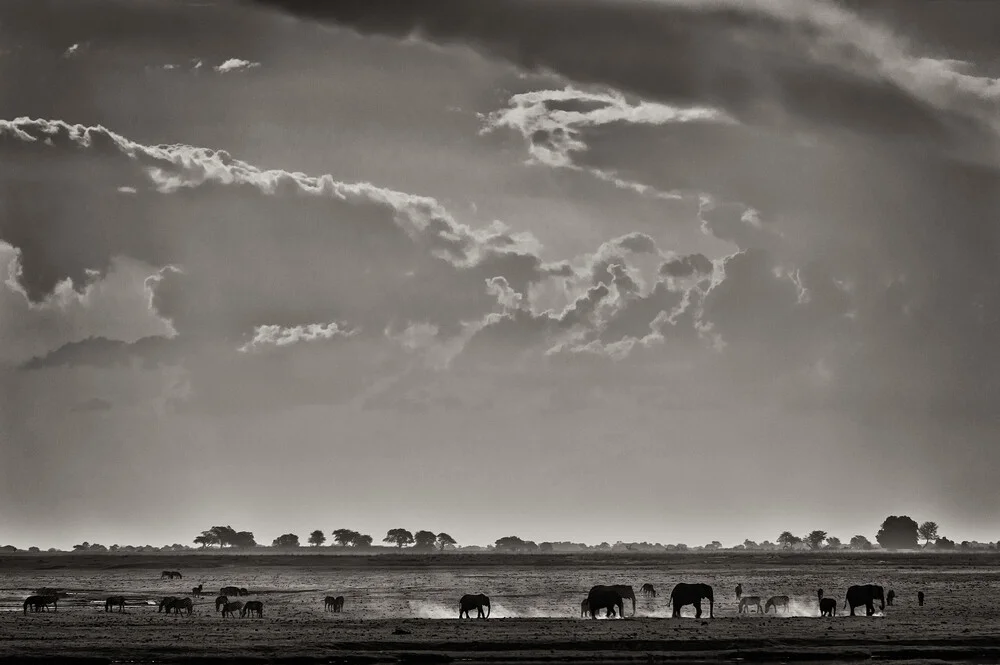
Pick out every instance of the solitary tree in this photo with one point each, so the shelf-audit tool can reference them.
(444, 540)
(316, 538)
(928, 531)
(860, 543)
(288, 540)
(897, 533)
(400, 537)
(424, 540)
(815, 539)
(787, 539)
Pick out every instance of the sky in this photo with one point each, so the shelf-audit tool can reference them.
(590, 270)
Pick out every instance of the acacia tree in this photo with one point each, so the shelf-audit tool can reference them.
(444, 540)
(787, 539)
(345, 537)
(400, 537)
(928, 531)
(207, 539)
(363, 540)
(424, 540)
(316, 538)
(815, 539)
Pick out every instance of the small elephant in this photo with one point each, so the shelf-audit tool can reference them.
(827, 607)
(865, 594)
(474, 601)
(692, 594)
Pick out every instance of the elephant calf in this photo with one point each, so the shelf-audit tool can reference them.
(827, 607)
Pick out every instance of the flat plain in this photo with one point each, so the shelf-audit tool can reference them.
(404, 608)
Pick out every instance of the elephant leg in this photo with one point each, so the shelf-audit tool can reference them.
(870, 608)
(697, 609)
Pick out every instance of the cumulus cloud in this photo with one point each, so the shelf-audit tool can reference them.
(235, 65)
(269, 336)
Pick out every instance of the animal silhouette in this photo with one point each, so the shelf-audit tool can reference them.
(115, 601)
(220, 601)
(692, 594)
(827, 607)
(474, 601)
(864, 594)
(229, 591)
(739, 591)
(166, 604)
(776, 602)
(253, 607)
(230, 609)
(648, 591)
(39, 603)
(584, 608)
(920, 598)
(196, 591)
(182, 605)
(171, 574)
(243, 591)
(889, 597)
(746, 602)
(606, 597)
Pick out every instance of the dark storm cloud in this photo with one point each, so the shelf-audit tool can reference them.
(771, 62)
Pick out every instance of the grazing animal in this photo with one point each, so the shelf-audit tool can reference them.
(584, 608)
(474, 601)
(865, 594)
(328, 603)
(115, 601)
(627, 594)
(338, 604)
(243, 591)
(819, 592)
(648, 591)
(229, 591)
(171, 574)
(38, 603)
(182, 604)
(253, 607)
(920, 598)
(827, 607)
(220, 601)
(166, 604)
(889, 597)
(196, 591)
(746, 602)
(739, 591)
(231, 608)
(692, 594)
(776, 602)
(605, 597)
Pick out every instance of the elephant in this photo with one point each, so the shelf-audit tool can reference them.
(827, 607)
(776, 602)
(605, 597)
(746, 602)
(627, 592)
(243, 591)
(584, 608)
(229, 591)
(474, 601)
(115, 601)
(692, 594)
(865, 594)
(253, 607)
(889, 597)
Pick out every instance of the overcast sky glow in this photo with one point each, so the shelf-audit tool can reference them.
(593, 270)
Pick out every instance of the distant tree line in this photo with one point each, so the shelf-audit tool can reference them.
(895, 533)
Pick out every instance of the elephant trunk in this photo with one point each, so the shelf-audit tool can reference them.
(633, 604)
(487, 609)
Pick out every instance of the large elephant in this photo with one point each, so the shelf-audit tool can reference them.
(605, 597)
(627, 593)
(474, 602)
(692, 594)
(865, 594)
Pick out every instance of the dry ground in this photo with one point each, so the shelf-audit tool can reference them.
(401, 608)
